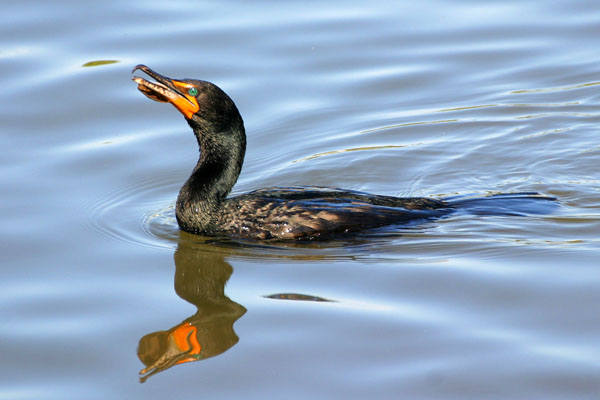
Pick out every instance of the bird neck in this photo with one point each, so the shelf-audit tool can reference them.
(218, 168)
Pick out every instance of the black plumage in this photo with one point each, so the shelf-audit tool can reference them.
(272, 213)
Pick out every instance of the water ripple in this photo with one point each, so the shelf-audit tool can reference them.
(139, 213)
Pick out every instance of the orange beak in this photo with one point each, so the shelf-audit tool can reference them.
(167, 90)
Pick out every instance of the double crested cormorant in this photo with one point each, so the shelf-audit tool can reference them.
(271, 213)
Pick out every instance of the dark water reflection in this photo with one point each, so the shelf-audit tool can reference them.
(200, 278)
(201, 274)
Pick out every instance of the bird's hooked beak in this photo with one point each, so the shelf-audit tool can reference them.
(181, 94)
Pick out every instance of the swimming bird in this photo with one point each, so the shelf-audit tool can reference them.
(296, 212)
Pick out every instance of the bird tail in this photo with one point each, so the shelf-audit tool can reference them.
(509, 204)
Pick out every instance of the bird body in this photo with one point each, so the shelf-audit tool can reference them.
(301, 212)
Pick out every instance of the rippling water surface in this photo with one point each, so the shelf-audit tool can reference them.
(432, 98)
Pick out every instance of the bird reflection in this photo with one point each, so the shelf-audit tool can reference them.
(200, 278)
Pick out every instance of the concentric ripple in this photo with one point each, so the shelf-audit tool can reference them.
(141, 212)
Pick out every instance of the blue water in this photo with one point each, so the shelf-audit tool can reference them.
(432, 98)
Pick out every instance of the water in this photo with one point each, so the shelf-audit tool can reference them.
(429, 98)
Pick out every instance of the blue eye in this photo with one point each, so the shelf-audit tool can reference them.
(193, 91)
